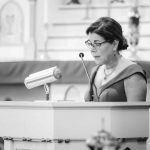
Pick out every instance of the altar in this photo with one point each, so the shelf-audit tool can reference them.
(43, 125)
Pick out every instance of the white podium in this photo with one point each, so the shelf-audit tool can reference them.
(43, 125)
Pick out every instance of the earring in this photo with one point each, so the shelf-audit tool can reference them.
(114, 52)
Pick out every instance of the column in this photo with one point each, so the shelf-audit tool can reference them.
(32, 45)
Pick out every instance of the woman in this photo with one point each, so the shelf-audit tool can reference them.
(114, 79)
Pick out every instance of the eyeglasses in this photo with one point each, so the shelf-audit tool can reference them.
(95, 45)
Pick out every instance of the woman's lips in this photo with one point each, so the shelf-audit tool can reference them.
(96, 57)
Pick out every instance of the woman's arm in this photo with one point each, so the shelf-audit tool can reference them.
(135, 88)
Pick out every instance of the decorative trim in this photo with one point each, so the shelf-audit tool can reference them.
(6, 37)
(67, 140)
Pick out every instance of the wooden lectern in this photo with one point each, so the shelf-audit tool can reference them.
(42, 125)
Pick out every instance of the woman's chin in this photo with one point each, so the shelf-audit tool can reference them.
(98, 62)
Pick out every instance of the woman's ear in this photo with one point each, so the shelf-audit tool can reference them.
(115, 43)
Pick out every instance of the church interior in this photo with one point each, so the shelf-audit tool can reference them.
(39, 34)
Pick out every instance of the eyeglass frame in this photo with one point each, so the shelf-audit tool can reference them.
(95, 46)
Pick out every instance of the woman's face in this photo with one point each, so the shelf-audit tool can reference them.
(102, 53)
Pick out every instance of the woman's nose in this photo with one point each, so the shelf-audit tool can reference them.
(93, 50)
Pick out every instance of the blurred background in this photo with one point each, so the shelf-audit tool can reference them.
(39, 34)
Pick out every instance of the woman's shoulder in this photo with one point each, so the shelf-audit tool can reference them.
(126, 62)
(130, 66)
(127, 68)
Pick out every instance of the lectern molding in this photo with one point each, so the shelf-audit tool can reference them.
(64, 104)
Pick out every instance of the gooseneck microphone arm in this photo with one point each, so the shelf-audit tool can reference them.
(47, 91)
(81, 55)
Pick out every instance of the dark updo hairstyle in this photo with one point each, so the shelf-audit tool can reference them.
(110, 30)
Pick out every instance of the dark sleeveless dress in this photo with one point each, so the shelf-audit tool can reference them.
(113, 91)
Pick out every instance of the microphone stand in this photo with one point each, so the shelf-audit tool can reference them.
(81, 55)
(47, 91)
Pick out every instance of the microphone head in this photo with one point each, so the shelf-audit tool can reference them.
(42, 77)
(57, 73)
(81, 55)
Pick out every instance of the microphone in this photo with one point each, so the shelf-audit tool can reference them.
(42, 77)
(81, 55)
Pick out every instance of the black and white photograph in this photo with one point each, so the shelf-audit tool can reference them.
(74, 74)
